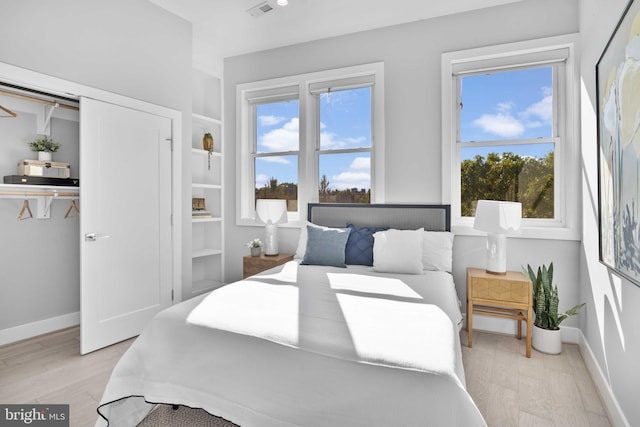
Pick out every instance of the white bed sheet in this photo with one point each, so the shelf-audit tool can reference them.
(304, 346)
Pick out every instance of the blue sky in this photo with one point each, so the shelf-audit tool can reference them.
(345, 122)
(498, 106)
(507, 106)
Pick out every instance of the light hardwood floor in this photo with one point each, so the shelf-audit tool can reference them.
(509, 389)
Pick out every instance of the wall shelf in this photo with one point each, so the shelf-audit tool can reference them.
(208, 219)
(205, 252)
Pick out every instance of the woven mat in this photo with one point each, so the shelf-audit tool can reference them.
(166, 416)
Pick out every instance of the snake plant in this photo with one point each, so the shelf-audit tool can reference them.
(545, 298)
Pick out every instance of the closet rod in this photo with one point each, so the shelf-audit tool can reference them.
(34, 99)
(19, 194)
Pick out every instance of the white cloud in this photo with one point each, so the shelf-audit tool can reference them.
(275, 159)
(357, 176)
(504, 125)
(507, 125)
(542, 110)
(261, 180)
(271, 120)
(281, 139)
(331, 141)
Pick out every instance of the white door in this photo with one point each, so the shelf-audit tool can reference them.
(125, 221)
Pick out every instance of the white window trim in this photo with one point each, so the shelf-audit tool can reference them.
(566, 227)
(308, 155)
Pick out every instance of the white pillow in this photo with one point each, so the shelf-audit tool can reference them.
(398, 251)
(437, 251)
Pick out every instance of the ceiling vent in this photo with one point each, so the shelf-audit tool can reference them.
(260, 9)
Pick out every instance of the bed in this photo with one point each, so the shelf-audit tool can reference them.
(315, 342)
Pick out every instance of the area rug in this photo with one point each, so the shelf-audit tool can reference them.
(166, 416)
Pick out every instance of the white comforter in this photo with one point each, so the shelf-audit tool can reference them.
(304, 346)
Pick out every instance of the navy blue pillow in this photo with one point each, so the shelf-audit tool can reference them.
(359, 250)
(326, 246)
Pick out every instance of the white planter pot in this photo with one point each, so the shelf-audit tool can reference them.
(546, 341)
(255, 251)
(45, 156)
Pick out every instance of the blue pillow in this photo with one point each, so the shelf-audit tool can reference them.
(359, 248)
(325, 246)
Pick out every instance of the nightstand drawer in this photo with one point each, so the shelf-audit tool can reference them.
(503, 290)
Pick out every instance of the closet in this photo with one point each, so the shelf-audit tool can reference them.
(117, 263)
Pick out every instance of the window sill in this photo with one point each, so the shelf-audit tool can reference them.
(542, 233)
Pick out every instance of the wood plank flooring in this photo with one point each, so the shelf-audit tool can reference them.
(509, 389)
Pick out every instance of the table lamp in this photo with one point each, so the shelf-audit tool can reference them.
(497, 218)
(271, 212)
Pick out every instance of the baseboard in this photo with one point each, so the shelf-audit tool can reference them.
(40, 327)
(509, 327)
(616, 416)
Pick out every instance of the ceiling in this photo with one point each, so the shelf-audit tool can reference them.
(223, 28)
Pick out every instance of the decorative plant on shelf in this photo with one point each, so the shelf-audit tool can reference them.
(255, 246)
(44, 144)
(255, 243)
(545, 299)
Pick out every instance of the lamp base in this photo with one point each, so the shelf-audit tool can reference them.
(496, 253)
(497, 273)
(271, 240)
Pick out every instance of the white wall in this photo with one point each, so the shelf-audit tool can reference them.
(129, 47)
(411, 54)
(610, 323)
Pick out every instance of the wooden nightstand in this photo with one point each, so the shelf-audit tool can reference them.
(255, 264)
(501, 295)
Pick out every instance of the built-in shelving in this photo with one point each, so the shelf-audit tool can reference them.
(206, 182)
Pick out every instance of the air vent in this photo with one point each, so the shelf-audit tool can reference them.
(260, 9)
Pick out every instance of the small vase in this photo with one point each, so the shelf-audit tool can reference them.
(45, 156)
(207, 142)
(255, 251)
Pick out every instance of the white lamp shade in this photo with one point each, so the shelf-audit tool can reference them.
(498, 217)
(271, 211)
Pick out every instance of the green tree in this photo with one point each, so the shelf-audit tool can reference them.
(511, 177)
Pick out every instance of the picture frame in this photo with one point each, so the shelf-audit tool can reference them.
(618, 120)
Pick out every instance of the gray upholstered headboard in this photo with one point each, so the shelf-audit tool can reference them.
(431, 217)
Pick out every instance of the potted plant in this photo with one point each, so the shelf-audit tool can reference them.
(255, 245)
(44, 147)
(546, 329)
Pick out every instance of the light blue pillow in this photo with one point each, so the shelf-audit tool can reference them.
(325, 246)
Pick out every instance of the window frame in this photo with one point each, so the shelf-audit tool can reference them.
(513, 56)
(305, 86)
(320, 152)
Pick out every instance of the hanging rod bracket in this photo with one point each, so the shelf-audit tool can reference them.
(44, 119)
(43, 210)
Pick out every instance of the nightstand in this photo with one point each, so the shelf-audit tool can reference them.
(502, 295)
(255, 264)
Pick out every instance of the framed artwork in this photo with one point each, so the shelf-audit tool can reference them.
(618, 111)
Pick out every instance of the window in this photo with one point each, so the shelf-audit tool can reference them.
(345, 145)
(507, 137)
(277, 145)
(311, 138)
(509, 133)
